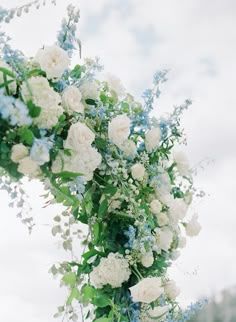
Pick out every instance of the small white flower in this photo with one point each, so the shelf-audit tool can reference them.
(182, 163)
(19, 152)
(28, 167)
(129, 148)
(193, 227)
(115, 85)
(71, 100)
(171, 290)
(162, 219)
(53, 60)
(147, 290)
(152, 139)
(89, 89)
(119, 129)
(155, 206)
(147, 259)
(78, 134)
(138, 171)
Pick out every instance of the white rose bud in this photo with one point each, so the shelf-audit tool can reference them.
(71, 99)
(155, 206)
(162, 219)
(147, 290)
(138, 171)
(78, 134)
(28, 167)
(18, 152)
(193, 227)
(147, 259)
(152, 139)
(53, 60)
(171, 290)
(119, 129)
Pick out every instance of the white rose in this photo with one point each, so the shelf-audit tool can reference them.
(28, 167)
(78, 134)
(171, 290)
(11, 86)
(178, 209)
(147, 290)
(129, 148)
(155, 206)
(119, 129)
(193, 227)
(89, 89)
(147, 259)
(19, 152)
(182, 163)
(138, 171)
(71, 99)
(115, 85)
(53, 60)
(42, 94)
(162, 219)
(164, 239)
(152, 139)
(158, 311)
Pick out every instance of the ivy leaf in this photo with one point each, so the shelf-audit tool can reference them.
(34, 110)
(102, 210)
(70, 279)
(88, 293)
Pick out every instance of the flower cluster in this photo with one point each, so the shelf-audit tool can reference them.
(114, 168)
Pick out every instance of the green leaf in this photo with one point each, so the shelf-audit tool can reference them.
(125, 107)
(103, 320)
(7, 72)
(88, 293)
(101, 300)
(34, 110)
(110, 190)
(70, 279)
(73, 295)
(26, 135)
(90, 101)
(68, 175)
(102, 210)
(36, 72)
(96, 232)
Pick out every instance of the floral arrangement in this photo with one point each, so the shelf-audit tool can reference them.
(114, 168)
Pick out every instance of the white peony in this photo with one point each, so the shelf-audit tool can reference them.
(162, 219)
(12, 85)
(129, 148)
(119, 129)
(28, 167)
(85, 162)
(115, 85)
(152, 139)
(164, 238)
(147, 290)
(155, 206)
(138, 171)
(193, 227)
(182, 163)
(19, 152)
(71, 100)
(113, 270)
(171, 290)
(147, 259)
(39, 91)
(158, 311)
(177, 209)
(78, 134)
(53, 60)
(89, 89)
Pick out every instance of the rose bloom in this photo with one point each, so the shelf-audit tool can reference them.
(53, 60)
(182, 163)
(152, 139)
(89, 89)
(178, 209)
(164, 238)
(193, 227)
(71, 100)
(78, 134)
(171, 290)
(119, 129)
(162, 219)
(138, 171)
(19, 152)
(115, 85)
(155, 206)
(147, 290)
(147, 259)
(28, 167)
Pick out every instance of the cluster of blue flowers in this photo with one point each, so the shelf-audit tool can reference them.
(78, 187)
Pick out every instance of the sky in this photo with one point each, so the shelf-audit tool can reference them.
(196, 40)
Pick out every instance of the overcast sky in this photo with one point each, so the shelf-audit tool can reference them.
(196, 39)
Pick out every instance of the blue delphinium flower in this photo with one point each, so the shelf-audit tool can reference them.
(40, 150)
(130, 233)
(78, 187)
